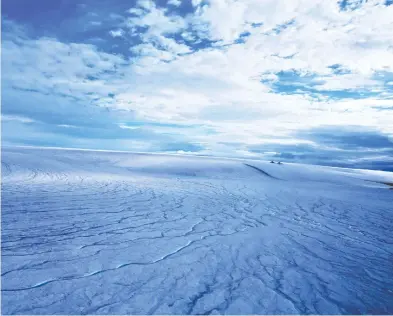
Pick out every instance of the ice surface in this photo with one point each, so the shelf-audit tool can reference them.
(88, 232)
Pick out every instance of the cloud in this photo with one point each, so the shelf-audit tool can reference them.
(136, 11)
(335, 146)
(186, 147)
(117, 33)
(146, 4)
(175, 3)
(225, 30)
(349, 138)
(20, 119)
(67, 126)
(244, 72)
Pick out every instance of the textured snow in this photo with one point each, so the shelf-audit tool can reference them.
(87, 232)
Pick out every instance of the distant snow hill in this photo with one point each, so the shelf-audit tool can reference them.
(89, 232)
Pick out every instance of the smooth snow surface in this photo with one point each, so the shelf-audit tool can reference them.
(87, 232)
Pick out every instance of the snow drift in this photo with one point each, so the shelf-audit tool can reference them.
(87, 232)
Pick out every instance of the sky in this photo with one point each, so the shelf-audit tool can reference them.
(306, 81)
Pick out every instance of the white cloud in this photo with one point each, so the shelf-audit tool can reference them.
(20, 119)
(225, 19)
(175, 3)
(188, 36)
(117, 33)
(228, 88)
(348, 81)
(51, 67)
(157, 40)
(196, 3)
(123, 126)
(136, 11)
(157, 21)
(67, 126)
(151, 54)
(146, 4)
(319, 36)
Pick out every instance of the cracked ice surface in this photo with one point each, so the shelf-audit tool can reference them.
(117, 233)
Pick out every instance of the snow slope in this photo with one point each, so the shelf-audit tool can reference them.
(87, 232)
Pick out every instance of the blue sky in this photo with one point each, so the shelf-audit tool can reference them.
(304, 81)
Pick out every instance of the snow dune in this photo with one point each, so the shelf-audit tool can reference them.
(86, 232)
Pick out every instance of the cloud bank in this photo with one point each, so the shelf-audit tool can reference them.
(302, 80)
